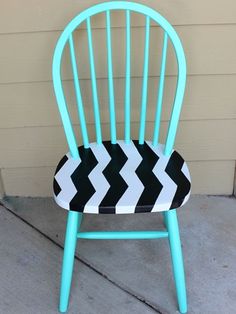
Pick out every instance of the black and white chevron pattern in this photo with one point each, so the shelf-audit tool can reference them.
(121, 179)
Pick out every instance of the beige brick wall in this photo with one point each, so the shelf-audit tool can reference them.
(31, 136)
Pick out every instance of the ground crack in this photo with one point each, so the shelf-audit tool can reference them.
(137, 297)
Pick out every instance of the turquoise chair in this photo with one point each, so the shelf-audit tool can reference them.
(120, 176)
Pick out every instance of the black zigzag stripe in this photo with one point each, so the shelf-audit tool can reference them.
(84, 187)
(56, 186)
(173, 169)
(117, 184)
(152, 186)
(61, 164)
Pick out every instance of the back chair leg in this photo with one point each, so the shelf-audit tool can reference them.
(177, 259)
(164, 219)
(73, 224)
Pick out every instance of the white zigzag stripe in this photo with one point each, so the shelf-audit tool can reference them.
(97, 178)
(187, 175)
(131, 195)
(186, 171)
(167, 193)
(63, 178)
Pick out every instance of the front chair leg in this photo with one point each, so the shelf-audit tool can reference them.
(73, 224)
(177, 259)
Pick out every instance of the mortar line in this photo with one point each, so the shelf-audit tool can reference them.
(132, 294)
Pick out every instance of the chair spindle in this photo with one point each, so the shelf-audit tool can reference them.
(110, 80)
(145, 83)
(94, 84)
(160, 91)
(127, 80)
(78, 93)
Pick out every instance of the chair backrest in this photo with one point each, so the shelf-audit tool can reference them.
(169, 34)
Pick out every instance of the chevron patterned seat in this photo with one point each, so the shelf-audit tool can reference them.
(121, 179)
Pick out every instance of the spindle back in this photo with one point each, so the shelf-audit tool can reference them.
(169, 34)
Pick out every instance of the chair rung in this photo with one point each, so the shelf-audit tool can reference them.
(118, 235)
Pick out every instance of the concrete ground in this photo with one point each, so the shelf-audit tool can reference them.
(122, 276)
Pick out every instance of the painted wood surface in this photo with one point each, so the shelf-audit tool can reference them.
(34, 57)
(44, 17)
(207, 97)
(30, 132)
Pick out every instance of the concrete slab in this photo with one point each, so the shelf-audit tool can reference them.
(143, 267)
(30, 274)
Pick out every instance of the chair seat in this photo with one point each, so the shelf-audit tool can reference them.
(121, 179)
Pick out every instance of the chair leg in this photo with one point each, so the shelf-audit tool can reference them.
(177, 258)
(73, 224)
(164, 219)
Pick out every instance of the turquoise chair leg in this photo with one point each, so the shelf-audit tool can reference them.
(73, 224)
(164, 219)
(177, 259)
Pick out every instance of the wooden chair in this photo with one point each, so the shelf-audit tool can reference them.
(120, 176)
